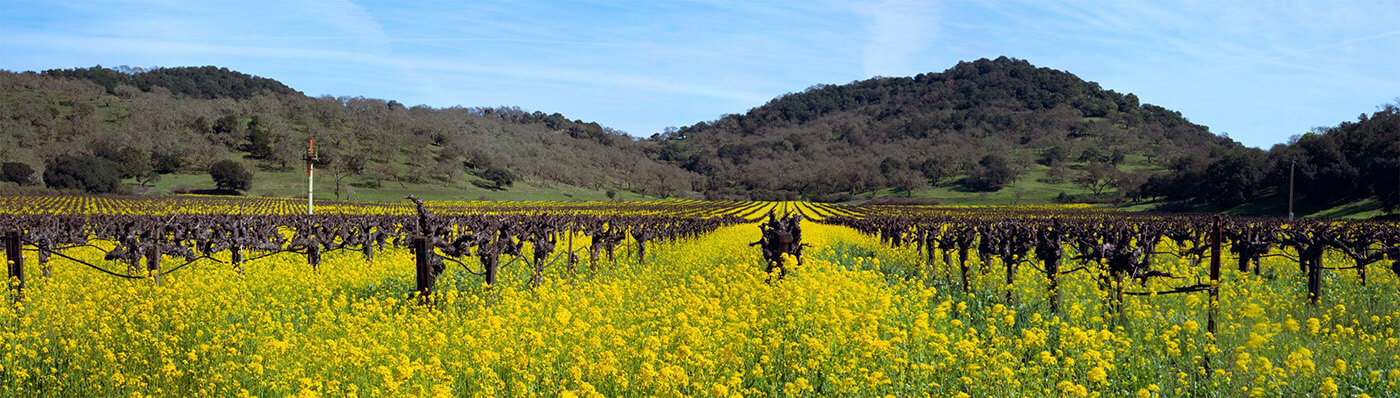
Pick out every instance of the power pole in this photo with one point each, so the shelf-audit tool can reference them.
(1291, 166)
(310, 183)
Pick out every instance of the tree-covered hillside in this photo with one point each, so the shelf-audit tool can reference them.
(978, 125)
(182, 120)
(1332, 166)
(995, 131)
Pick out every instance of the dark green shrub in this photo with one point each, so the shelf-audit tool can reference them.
(83, 173)
(16, 172)
(231, 175)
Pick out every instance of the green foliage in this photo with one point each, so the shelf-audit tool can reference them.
(83, 173)
(1052, 155)
(1092, 154)
(16, 172)
(107, 78)
(205, 82)
(890, 166)
(935, 168)
(1096, 177)
(259, 139)
(230, 175)
(501, 177)
(229, 124)
(991, 174)
(166, 162)
(133, 161)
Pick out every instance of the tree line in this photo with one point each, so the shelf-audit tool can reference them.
(204, 82)
(1330, 165)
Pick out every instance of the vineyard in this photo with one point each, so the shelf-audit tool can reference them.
(256, 297)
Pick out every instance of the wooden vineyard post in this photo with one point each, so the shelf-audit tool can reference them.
(236, 256)
(313, 256)
(920, 240)
(47, 269)
(133, 263)
(570, 254)
(492, 264)
(15, 259)
(1118, 297)
(1052, 270)
(423, 265)
(1010, 278)
(1214, 275)
(1214, 304)
(153, 258)
(593, 246)
(368, 251)
(947, 266)
(947, 261)
(922, 261)
(962, 266)
(1361, 273)
(1314, 266)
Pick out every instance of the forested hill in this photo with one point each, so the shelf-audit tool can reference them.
(180, 121)
(978, 125)
(986, 131)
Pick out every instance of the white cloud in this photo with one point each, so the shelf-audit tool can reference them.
(348, 17)
(899, 31)
(639, 59)
(440, 67)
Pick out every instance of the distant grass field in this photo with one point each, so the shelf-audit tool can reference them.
(1029, 188)
(293, 184)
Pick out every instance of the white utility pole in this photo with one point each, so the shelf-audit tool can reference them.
(310, 183)
(1291, 165)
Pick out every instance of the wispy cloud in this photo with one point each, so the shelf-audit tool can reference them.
(436, 67)
(1259, 69)
(347, 16)
(899, 30)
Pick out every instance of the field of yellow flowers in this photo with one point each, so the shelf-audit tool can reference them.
(698, 318)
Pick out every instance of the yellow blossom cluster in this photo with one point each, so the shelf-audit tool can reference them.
(698, 318)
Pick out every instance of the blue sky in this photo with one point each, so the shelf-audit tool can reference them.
(1257, 70)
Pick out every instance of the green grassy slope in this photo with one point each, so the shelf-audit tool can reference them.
(293, 184)
(1029, 188)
